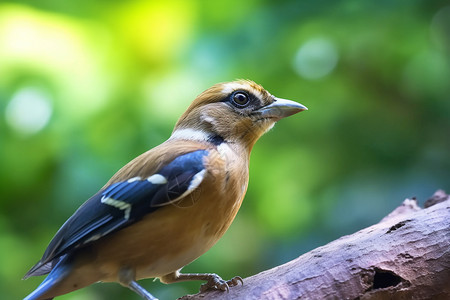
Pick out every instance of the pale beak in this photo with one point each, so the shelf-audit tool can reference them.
(281, 108)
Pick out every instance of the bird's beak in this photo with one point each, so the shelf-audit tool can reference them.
(281, 108)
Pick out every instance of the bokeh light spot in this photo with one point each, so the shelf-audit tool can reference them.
(440, 29)
(29, 110)
(316, 58)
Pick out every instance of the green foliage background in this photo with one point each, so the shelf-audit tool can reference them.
(85, 86)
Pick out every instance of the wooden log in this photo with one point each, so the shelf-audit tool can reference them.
(405, 256)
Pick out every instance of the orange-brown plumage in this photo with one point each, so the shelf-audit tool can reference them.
(211, 141)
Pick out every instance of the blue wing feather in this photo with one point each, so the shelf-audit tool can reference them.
(105, 212)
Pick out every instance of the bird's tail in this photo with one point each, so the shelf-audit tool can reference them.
(45, 291)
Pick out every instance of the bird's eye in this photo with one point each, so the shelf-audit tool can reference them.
(240, 99)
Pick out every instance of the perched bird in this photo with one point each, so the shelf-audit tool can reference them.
(169, 205)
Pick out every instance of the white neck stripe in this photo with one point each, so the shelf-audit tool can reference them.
(190, 134)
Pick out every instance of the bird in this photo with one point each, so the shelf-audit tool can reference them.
(171, 204)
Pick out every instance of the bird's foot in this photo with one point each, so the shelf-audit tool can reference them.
(216, 283)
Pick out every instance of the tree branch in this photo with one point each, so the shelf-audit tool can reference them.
(405, 256)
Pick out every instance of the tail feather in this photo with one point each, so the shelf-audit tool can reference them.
(40, 269)
(56, 276)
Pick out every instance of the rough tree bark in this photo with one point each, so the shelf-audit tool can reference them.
(405, 256)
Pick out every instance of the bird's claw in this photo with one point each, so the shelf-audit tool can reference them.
(216, 283)
(235, 280)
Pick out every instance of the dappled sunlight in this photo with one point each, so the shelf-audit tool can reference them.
(29, 110)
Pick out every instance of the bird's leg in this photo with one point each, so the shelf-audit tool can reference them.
(127, 278)
(213, 281)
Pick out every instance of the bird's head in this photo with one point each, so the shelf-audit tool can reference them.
(237, 112)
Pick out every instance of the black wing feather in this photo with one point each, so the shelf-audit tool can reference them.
(97, 217)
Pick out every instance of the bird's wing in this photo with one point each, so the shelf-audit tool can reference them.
(123, 203)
